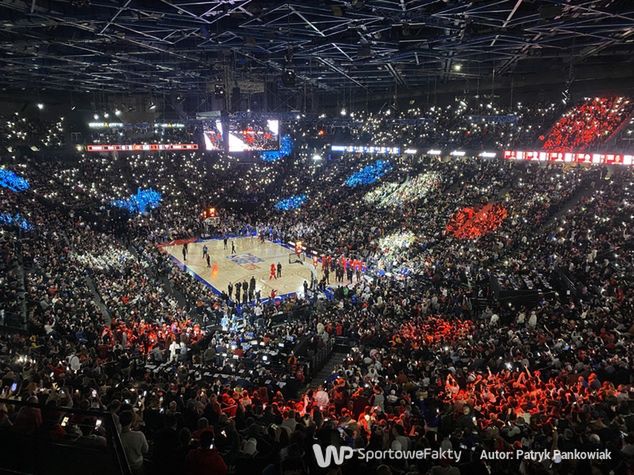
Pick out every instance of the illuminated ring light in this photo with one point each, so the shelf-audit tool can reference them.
(475, 222)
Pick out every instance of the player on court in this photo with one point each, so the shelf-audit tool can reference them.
(273, 273)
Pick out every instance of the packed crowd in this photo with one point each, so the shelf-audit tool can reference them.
(30, 131)
(475, 123)
(433, 360)
(147, 133)
(586, 125)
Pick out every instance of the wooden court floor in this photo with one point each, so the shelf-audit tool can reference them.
(252, 258)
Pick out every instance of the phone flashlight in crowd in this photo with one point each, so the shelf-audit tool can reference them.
(51, 375)
(144, 393)
(94, 393)
(65, 421)
(211, 446)
(98, 424)
(224, 433)
(127, 401)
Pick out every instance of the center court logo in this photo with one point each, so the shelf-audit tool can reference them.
(338, 455)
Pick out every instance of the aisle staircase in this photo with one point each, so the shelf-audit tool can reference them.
(96, 297)
(335, 360)
(582, 192)
(618, 133)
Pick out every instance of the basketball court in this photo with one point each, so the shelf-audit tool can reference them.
(252, 258)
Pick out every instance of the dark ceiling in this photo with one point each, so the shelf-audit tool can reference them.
(189, 45)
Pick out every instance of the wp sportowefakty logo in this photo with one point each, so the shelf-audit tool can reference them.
(331, 454)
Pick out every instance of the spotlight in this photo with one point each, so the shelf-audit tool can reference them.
(106, 115)
(457, 67)
(117, 112)
(219, 91)
(152, 106)
(73, 108)
(317, 157)
(40, 106)
(343, 111)
(96, 116)
(288, 77)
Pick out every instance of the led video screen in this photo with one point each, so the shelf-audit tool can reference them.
(254, 134)
(213, 135)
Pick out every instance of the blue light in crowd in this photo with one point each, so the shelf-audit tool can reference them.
(286, 148)
(292, 202)
(369, 174)
(8, 219)
(144, 200)
(13, 181)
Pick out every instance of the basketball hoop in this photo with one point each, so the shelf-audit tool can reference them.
(210, 219)
(210, 216)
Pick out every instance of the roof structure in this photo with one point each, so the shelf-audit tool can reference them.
(188, 45)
